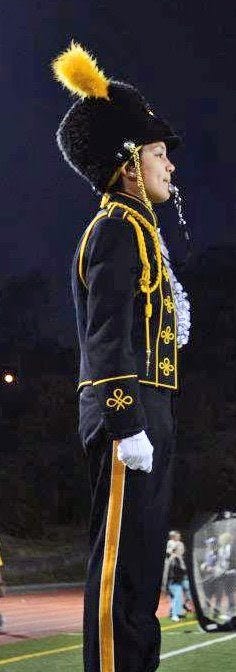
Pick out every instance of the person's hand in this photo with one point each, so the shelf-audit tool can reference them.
(136, 452)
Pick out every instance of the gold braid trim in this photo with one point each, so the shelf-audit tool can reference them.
(145, 280)
(132, 216)
(83, 246)
(104, 201)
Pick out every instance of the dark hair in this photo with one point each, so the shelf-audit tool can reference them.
(118, 186)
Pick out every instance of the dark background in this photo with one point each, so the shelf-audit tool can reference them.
(181, 55)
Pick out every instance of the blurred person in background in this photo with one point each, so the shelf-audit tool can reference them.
(225, 570)
(208, 572)
(171, 542)
(175, 575)
(187, 599)
(176, 544)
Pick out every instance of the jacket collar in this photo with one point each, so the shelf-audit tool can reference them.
(135, 203)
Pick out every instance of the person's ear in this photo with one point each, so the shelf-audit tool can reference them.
(128, 172)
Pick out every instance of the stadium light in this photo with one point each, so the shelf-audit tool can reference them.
(9, 378)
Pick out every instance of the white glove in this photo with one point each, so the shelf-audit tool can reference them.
(136, 452)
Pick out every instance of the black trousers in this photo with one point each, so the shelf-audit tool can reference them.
(128, 531)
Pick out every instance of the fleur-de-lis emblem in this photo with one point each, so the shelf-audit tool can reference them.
(119, 400)
(166, 366)
(167, 335)
(169, 304)
(165, 273)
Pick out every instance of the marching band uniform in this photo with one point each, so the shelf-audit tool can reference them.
(132, 316)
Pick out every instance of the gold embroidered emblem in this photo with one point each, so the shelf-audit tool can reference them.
(165, 273)
(167, 335)
(169, 304)
(119, 400)
(166, 366)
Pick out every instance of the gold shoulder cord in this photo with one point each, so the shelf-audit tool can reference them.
(145, 281)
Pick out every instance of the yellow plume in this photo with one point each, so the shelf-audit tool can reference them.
(76, 69)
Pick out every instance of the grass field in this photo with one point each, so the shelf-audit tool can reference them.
(63, 653)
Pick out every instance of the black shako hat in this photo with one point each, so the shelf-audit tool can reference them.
(108, 114)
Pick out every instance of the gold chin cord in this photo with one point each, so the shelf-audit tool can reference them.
(135, 153)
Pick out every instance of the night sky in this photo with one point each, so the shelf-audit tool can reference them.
(180, 53)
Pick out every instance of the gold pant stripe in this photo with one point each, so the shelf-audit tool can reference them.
(112, 538)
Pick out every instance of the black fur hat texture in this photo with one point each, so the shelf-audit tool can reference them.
(92, 134)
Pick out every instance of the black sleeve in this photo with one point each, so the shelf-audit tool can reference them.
(112, 271)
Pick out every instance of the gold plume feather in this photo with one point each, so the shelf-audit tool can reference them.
(76, 69)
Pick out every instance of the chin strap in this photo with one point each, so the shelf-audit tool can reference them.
(133, 151)
(134, 154)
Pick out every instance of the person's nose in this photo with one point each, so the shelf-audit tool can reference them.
(170, 166)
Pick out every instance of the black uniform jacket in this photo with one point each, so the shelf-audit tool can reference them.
(110, 311)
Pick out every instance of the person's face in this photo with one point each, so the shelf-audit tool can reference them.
(156, 171)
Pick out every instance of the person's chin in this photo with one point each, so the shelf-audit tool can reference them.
(160, 198)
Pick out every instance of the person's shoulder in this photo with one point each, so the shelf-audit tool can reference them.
(105, 225)
(111, 233)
